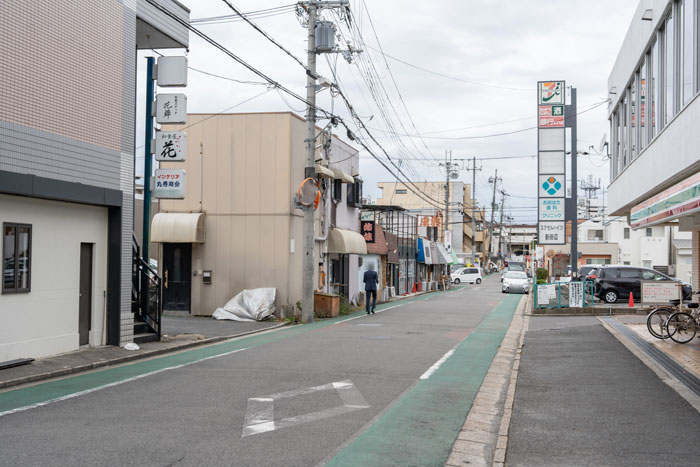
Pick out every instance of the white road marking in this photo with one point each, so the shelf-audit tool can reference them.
(378, 311)
(437, 364)
(109, 385)
(260, 410)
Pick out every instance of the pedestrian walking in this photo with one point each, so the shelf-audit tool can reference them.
(371, 279)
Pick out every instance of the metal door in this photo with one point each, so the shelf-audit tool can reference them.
(85, 297)
(177, 276)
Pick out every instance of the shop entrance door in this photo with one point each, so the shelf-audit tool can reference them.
(85, 297)
(177, 276)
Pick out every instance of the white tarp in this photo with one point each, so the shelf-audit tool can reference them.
(249, 305)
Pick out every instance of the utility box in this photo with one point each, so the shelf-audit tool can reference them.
(326, 305)
(325, 36)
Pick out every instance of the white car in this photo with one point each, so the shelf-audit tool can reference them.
(470, 275)
(515, 281)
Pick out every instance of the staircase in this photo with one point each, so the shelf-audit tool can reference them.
(146, 298)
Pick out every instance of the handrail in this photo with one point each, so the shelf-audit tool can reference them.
(151, 309)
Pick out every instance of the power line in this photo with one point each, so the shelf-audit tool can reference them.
(454, 77)
(251, 14)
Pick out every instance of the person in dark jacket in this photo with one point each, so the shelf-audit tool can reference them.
(371, 279)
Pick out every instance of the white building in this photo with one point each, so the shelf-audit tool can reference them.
(654, 118)
(67, 118)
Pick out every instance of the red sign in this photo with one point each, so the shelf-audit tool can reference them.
(551, 116)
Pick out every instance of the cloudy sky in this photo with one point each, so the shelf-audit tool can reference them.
(456, 76)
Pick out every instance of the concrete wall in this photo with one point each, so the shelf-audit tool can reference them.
(44, 321)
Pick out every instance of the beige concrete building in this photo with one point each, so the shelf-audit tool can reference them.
(238, 228)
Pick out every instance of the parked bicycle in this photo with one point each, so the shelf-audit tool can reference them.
(657, 320)
(682, 326)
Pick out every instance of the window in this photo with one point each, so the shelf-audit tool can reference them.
(595, 235)
(355, 193)
(432, 233)
(627, 232)
(17, 257)
(337, 189)
(629, 273)
(626, 263)
(655, 86)
(400, 191)
(648, 231)
(642, 133)
(633, 118)
(686, 55)
(623, 115)
(653, 276)
(669, 68)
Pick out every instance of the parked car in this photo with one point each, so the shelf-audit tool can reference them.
(616, 282)
(469, 275)
(585, 270)
(515, 281)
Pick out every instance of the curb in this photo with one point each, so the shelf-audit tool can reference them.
(128, 358)
(483, 438)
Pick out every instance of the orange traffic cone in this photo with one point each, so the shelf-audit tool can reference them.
(414, 288)
(631, 304)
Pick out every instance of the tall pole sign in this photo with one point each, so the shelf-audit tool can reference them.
(551, 163)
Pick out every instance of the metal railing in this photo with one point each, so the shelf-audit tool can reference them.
(149, 305)
(558, 294)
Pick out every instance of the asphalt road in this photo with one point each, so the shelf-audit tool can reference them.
(335, 391)
(583, 399)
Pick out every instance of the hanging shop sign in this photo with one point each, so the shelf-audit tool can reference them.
(169, 184)
(171, 108)
(368, 231)
(551, 209)
(551, 232)
(171, 146)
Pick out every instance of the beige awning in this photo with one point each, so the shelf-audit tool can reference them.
(322, 171)
(340, 175)
(346, 242)
(177, 227)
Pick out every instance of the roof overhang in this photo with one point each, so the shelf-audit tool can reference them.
(177, 227)
(346, 242)
(340, 175)
(322, 171)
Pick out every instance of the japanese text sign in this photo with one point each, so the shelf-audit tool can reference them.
(552, 233)
(169, 184)
(551, 209)
(171, 108)
(367, 228)
(171, 146)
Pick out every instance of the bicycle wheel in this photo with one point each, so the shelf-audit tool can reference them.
(656, 322)
(681, 327)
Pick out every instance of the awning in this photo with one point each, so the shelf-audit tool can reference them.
(340, 175)
(177, 227)
(346, 242)
(434, 253)
(455, 260)
(322, 171)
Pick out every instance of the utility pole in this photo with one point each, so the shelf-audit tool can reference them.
(147, 172)
(448, 173)
(500, 224)
(573, 214)
(493, 180)
(474, 207)
(307, 293)
(308, 277)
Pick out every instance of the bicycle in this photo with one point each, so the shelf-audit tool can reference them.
(682, 326)
(656, 321)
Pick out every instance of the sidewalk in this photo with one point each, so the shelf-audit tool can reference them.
(584, 398)
(178, 333)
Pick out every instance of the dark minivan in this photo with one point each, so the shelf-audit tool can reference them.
(616, 282)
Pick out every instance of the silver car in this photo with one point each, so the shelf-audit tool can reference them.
(515, 282)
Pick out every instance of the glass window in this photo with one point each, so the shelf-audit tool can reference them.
(17, 244)
(642, 133)
(627, 232)
(655, 66)
(687, 78)
(633, 118)
(648, 231)
(401, 192)
(652, 276)
(629, 273)
(624, 117)
(669, 78)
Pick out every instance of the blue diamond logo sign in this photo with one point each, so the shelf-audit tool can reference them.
(551, 185)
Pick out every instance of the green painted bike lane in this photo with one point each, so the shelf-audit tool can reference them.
(52, 391)
(422, 426)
